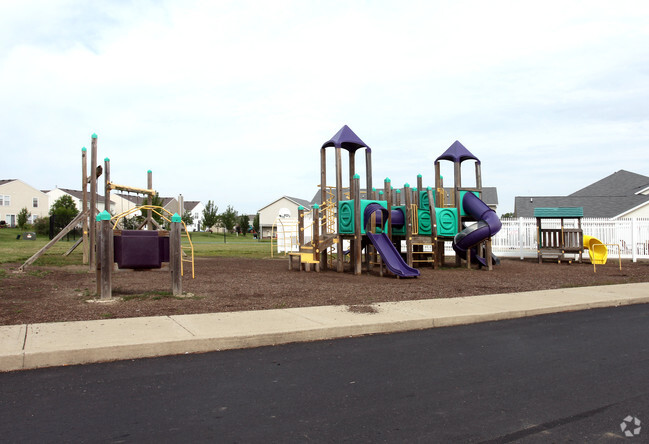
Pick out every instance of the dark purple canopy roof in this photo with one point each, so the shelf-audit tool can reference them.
(346, 139)
(457, 153)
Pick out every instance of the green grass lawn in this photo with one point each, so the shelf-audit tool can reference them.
(205, 244)
(19, 250)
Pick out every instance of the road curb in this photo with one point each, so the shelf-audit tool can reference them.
(120, 339)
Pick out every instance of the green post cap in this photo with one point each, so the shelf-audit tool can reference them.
(94, 136)
(300, 208)
(149, 171)
(429, 188)
(398, 191)
(84, 149)
(380, 192)
(419, 175)
(406, 185)
(441, 177)
(373, 189)
(106, 159)
(316, 206)
(414, 189)
(176, 218)
(387, 179)
(356, 176)
(104, 215)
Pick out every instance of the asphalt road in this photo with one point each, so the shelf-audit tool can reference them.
(555, 378)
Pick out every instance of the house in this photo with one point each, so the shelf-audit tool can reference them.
(195, 208)
(16, 195)
(622, 194)
(77, 198)
(284, 208)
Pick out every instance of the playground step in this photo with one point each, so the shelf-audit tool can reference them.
(305, 258)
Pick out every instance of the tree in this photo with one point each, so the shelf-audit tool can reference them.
(210, 215)
(244, 223)
(507, 215)
(229, 218)
(63, 210)
(156, 201)
(188, 218)
(255, 225)
(23, 217)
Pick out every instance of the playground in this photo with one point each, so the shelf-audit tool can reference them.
(60, 293)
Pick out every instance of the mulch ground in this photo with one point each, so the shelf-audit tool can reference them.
(54, 294)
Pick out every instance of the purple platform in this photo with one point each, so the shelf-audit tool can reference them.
(135, 249)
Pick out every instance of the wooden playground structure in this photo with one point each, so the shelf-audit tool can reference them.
(556, 243)
(379, 222)
(108, 247)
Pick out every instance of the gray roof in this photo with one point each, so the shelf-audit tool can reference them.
(620, 183)
(4, 181)
(305, 203)
(608, 197)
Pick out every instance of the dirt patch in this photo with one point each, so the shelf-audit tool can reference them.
(363, 309)
(49, 294)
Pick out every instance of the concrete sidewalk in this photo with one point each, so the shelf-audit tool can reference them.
(66, 343)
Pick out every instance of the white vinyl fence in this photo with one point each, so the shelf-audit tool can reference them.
(517, 238)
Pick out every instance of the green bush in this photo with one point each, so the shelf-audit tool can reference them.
(42, 226)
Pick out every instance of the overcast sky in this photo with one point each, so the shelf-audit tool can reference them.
(232, 100)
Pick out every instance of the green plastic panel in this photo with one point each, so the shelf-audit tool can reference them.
(446, 221)
(364, 204)
(400, 231)
(346, 217)
(424, 222)
(462, 193)
(559, 212)
(423, 200)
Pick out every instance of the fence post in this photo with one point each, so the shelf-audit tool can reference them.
(634, 253)
(520, 235)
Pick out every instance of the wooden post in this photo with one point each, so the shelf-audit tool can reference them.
(174, 256)
(149, 214)
(408, 196)
(356, 244)
(420, 187)
(106, 260)
(315, 237)
(84, 203)
(368, 169)
(107, 184)
(339, 195)
(388, 198)
(458, 204)
(92, 215)
(300, 226)
(433, 228)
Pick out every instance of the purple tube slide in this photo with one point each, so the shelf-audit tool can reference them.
(488, 225)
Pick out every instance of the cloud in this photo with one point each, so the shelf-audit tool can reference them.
(230, 101)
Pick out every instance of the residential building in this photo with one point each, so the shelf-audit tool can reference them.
(622, 194)
(77, 198)
(16, 195)
(284, 208)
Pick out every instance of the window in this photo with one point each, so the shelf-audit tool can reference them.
(7, 200)
(35, 202)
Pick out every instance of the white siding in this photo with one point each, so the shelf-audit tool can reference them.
(20, 195)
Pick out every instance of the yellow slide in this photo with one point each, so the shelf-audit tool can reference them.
(596, 250)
